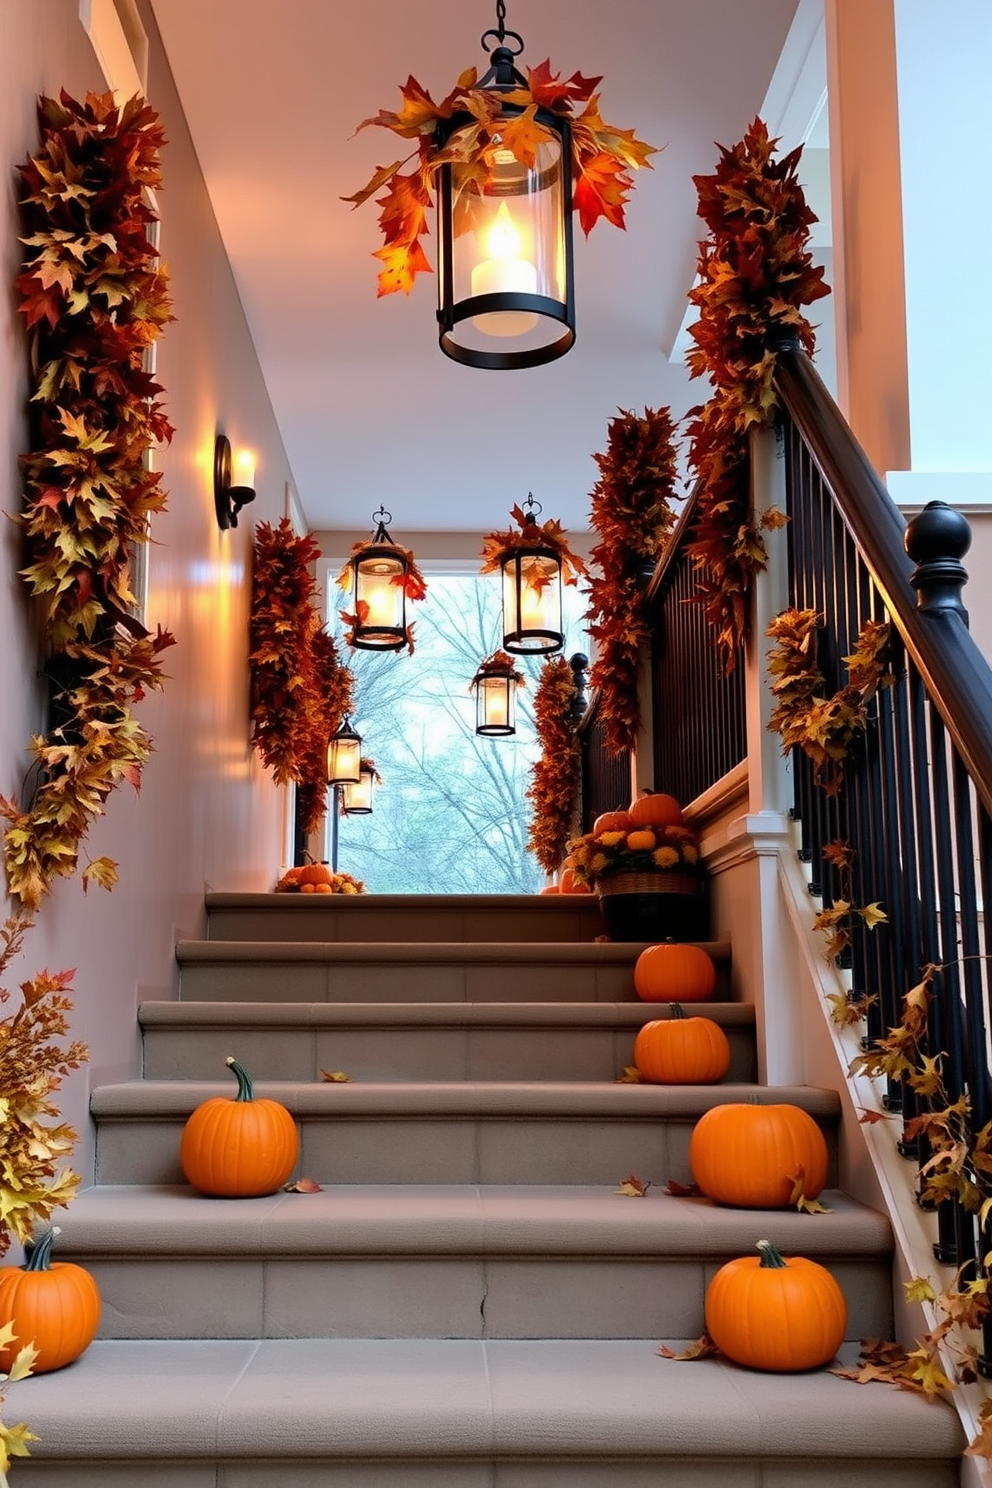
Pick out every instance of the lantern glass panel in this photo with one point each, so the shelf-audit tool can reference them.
(344, 759)
(380, 600)
(494, 705)
(509, 240)
(532, 603)
(357, 799)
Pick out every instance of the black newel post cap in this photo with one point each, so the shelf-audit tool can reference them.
(936, 539)
(579, 664)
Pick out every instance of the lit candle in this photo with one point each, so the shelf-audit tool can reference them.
(504, 271)
(244, 469)
(380, 594)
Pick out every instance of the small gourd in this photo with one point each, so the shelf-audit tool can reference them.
(681, 1051)
(53, 1305)
(777, 1314)
(673, 972)
(240, 1148)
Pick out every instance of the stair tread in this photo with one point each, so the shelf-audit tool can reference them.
(455, 1219)
(427, 1014)
(590, 1100)
(290, 1398)
(345, 952)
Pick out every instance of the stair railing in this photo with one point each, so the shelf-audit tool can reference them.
(915, 808)
(605, 777)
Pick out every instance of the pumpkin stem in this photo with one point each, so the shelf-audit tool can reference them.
(38, 1253)
(245, 1091)
(770, 1258)
(677, 1011)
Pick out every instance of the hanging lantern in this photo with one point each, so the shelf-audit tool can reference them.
(504, 227)
(495, 684)
(344, 756)
(530, 572)
(382, 576)
(356, 800)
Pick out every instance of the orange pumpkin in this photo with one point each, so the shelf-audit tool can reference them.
(642, 840)
(656, 810)
(550, 889)
(569, 884)
(239, 1148)
(682, 1051)
(54, 1306)
(612, 821)
(315, 873)
(751, 1156)
(777, 1314)
(673, 972)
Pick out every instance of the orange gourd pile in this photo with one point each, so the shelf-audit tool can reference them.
(240, 1148)
(53, 1305)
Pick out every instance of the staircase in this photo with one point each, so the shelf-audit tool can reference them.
(467, 1303)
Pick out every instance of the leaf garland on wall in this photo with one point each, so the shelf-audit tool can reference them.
(632, 514)
(554, 788)
(603, 157)
(94, 297)
(300, 691)
(756, 274)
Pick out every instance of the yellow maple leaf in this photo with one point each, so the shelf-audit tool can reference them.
(632, 1187)
(919, 1289)
(335, 1077)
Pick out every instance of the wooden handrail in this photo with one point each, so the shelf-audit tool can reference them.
(957, 676)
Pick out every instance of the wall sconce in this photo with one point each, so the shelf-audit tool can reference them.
(230, 497)
(531, 578)
(356, 800)
(495, 685)
(344, 756)
(505, 287)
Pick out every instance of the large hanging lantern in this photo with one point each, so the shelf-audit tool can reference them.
(382, 576)
(495, 685)
(356, 800)
(532, 562)
(504, 229)
(344, 756)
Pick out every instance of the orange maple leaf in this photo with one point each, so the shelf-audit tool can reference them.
(403, 262)
(600, 191)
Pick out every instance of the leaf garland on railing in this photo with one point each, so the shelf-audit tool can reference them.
(554, 787)
(756, 273)
(300, 691)
(632, 514)
(603, 157)
(823, 725)
(94, 297)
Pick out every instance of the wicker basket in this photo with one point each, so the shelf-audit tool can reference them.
(664, 882)
(650, 907)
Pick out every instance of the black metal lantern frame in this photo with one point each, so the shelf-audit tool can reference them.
(344, 756)
(531, 577)
(379, 571)
(505, 268)
(495, 685)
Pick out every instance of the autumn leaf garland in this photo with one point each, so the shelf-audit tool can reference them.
(554, 786)
(94, 297)
(755, 274)
(632, 514)
(603, 157)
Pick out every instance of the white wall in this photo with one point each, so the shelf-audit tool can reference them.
(207, 817)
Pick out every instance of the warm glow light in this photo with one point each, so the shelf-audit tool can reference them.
(244, 469)
(379, 593)
(494, 700)
(504, 271)
(532, 608)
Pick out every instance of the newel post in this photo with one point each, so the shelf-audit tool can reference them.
(937, 538)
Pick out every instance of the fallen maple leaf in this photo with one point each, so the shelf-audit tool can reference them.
(633, 1187)
(811, 1206)
(335, 1077)
(701, 1348)
(303, 1185)
(631, 1076)
(683, 1190)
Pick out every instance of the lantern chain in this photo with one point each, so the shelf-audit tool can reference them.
(501, 33)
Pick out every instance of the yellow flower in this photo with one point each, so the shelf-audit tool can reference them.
(599, 862)
(610, 839)
(665, 857)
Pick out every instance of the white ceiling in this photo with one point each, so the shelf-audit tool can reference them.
(370, 410)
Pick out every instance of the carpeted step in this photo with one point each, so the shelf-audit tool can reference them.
(366, 1413)
(405, 917)
(326, 971)
(456, 1132)
(455, 1262)
(416, 1041)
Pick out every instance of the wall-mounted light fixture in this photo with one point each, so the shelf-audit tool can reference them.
(505, 292)
(234, 482)
(495, 685)
(344, 756)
